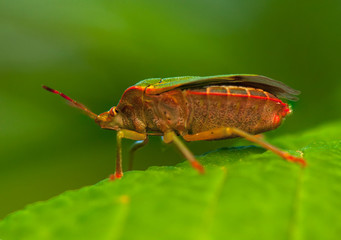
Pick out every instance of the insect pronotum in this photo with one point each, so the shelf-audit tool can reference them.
(196, 108)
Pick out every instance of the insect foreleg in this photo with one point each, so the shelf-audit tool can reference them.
(220, 133)
(172, 137)
(124, 134)
(137, 145)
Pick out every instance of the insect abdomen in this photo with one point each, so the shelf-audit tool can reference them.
(249, 109)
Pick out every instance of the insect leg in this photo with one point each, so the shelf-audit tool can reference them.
(172, 137)
(268, 146)
(137, 145)
(124, 134)
(220, 133)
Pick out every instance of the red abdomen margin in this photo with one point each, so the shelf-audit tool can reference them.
(249, 109)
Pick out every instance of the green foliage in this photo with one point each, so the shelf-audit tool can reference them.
(247, 193)
(93, 50)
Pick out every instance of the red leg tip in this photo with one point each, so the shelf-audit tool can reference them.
(112, 177)
(298, 160)
(198, 167)
(115, 176)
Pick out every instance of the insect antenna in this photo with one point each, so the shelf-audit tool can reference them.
(73, 102)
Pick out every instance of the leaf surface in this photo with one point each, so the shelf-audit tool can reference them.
(246, 193)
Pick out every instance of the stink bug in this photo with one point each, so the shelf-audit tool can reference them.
(196, 108)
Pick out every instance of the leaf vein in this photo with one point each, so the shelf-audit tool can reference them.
(293, 220)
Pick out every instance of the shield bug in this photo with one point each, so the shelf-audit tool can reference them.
(196, 108)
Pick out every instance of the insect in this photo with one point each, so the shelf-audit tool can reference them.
(196, 108)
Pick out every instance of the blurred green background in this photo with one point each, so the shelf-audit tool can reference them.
(93, 50)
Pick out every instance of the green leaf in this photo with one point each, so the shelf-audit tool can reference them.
(247, 193)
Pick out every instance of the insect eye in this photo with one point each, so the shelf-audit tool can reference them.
(113, 111)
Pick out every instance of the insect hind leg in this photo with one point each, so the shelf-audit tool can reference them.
(220, 133)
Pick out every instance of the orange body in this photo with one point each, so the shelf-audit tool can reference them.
(190, 111)
(196, 108)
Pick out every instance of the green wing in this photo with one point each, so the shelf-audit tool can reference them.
(159, 83)
(279, 89)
